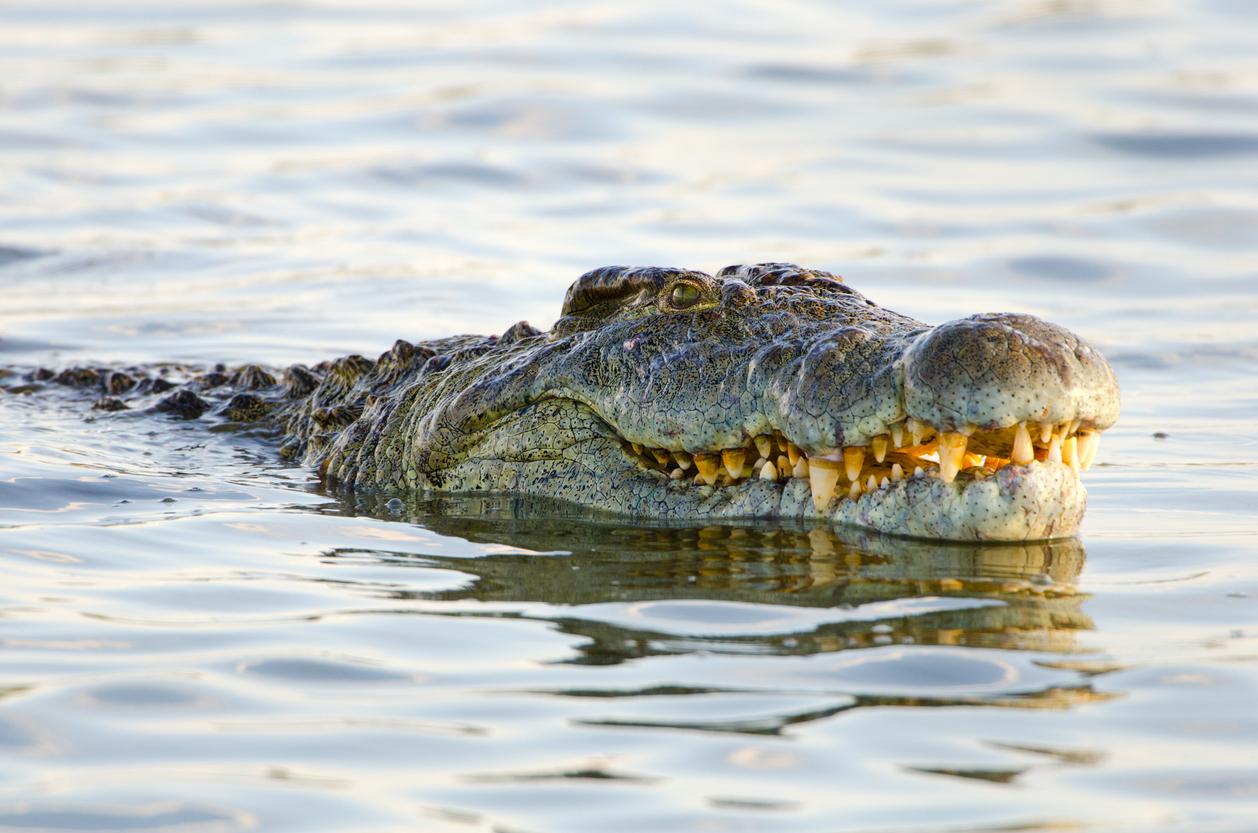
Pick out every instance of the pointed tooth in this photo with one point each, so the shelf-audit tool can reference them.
(884, 482)
(793, 453)
(784, 467)
(768, 471)
(661, 456)
(951, 454)
(683, 459)
(879, 445)
(801, 468)
(871, 484)
(919, 472)
(919, 430)
(676, 474)
(897, 473)
(853, 461)
(707, 464)
(734, 460)
(1054, 449)
(782, 443)
(1070, 452)
(764, 445)
(897, 435)
(1089, 441)
(637, 448)
(823, 476)
(854, 491)
(1023, 452)
(1046, 432)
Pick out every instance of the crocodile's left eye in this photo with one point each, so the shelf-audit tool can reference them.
(684, 296)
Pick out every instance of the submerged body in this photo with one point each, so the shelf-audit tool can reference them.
(766, 391)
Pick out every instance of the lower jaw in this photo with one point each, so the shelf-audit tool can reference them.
(1038, 501)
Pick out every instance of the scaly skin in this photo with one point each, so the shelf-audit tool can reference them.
(683, 364)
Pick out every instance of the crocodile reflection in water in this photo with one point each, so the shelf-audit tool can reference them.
(1025, 593)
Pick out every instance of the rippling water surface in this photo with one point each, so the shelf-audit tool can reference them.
(194, 639)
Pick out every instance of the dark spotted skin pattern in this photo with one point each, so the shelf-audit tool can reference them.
(681, 360)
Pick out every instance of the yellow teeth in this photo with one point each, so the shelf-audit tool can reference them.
(707, 464)
(793, 453)
(1070, 452)
(951, 455)
(1089, 442)
(853, 461)
(848, 473)
(823, 476)
(1054, 448)
(920, 431)
(1023, 453)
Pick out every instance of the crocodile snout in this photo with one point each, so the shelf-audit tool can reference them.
(992, 370)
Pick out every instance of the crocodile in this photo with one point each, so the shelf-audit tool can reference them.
(765, 391)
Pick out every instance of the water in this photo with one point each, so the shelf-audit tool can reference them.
(195, 639)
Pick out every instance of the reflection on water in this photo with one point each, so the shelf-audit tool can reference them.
(875, 589)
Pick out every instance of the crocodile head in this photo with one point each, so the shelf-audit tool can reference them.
(765, 391)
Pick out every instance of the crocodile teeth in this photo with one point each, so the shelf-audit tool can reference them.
(871, 484)
(784, 467)
(919, 472)
(823, 476)
(919, 430)
(793, 453)
(897, 473)
(1046, 432)
(854, 491)
(853, 461)
(1023, 452)
(951, 455)
(884, 482)
(1070, 452)
(661, 456)
(764, 444)
(801, 468)
(897, 434)
(879, 446)
(1054, 448)
(683, 459)
(676, 474)
(637, 448)
(707, 463)
(1089, 441)
(734, 458)
(768, 471)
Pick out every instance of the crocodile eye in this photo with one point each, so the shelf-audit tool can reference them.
(685, 295)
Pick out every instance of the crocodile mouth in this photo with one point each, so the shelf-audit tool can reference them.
(911, 449)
